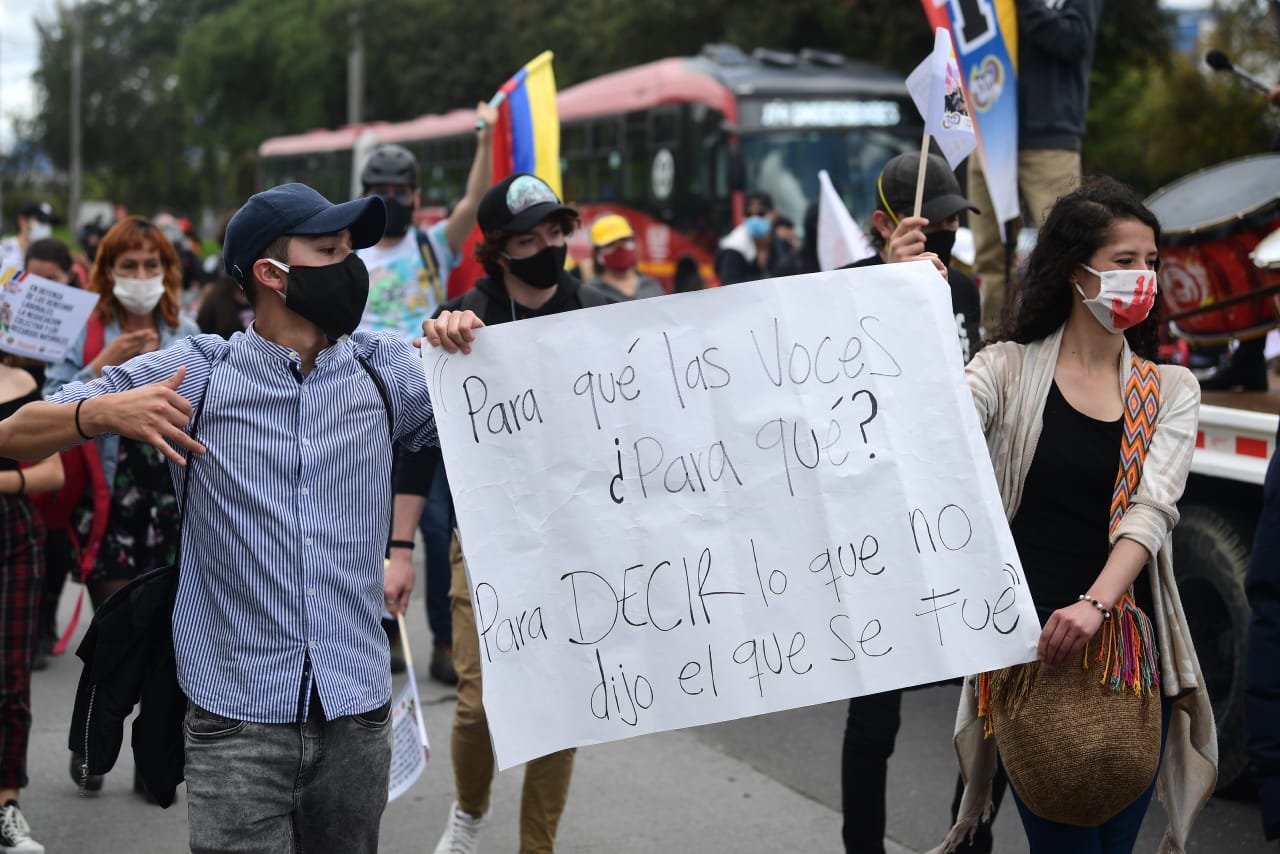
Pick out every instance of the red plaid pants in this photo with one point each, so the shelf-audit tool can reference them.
(21, 576)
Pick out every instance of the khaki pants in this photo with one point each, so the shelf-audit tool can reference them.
(1043, 176)
(546, 780)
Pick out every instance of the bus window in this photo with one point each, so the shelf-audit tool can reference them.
(785, 165)
(635, 160)
(574, 139)
(605, 133)
(666, 127)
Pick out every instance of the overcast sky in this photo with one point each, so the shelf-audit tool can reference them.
(18, 56)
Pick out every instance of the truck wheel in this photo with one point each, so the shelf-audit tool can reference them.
(1210, 559)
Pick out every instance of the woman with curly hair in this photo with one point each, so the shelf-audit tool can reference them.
(1051, 397)
(139, 277)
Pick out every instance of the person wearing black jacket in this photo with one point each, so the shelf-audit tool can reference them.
(873, 720)
(1262, 651)
(525, 229)
(1055, 52)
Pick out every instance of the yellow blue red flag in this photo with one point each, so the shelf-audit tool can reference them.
(526, 137)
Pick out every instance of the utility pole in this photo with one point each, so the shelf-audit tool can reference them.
(73, 179)
(355, 65)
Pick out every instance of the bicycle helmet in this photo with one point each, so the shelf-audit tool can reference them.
(390, 164)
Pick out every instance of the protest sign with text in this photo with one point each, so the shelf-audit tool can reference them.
(724, 503)
(38, 318)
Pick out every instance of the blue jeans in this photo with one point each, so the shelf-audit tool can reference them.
(1116, 836)
(437, 528)
(295, 788)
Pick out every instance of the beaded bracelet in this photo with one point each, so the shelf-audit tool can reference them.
(1104, 610)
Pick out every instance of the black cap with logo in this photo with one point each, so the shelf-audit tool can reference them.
(517, 203)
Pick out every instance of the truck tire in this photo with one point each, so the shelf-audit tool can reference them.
(1210, 558)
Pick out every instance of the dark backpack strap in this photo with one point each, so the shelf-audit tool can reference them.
(382, 393)
(429, 265)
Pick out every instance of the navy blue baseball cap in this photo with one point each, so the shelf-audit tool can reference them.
(295, 209)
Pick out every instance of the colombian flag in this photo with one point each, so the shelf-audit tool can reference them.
(526, 138)
(527, 135)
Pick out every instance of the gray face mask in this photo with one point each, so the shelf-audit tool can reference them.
(39, 231)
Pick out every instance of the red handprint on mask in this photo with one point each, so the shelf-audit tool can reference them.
(1132, 311)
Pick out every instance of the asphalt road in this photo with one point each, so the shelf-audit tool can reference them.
(765, 784)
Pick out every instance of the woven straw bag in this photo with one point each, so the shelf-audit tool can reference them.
(1077, 751)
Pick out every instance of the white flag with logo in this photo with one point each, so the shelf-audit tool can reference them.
(840, 240)
(935, 86)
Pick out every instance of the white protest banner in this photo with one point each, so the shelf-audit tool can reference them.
(38, 318)
(723, 503)
(840, 240)
(409, 752)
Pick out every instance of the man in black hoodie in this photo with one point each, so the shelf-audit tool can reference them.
(1055, 51)
(525, 229)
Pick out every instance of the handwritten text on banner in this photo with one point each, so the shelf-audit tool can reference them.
(718, 504)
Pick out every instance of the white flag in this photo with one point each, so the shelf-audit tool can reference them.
(936, 88)
(840, 241)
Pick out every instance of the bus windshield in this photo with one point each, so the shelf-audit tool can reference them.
(785, 165)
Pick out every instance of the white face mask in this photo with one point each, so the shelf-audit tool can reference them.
(1125, 297)
(39, 231)
(139, 296)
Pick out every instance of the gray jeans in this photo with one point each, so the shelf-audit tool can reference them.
(318, 786)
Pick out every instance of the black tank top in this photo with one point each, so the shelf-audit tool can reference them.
(1062, 528)
(8, 408)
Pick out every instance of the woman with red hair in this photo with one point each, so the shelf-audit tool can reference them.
(138, 276)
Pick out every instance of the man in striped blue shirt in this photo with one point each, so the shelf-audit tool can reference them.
(276, 626)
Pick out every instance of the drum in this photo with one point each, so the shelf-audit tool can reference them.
(1211, 289)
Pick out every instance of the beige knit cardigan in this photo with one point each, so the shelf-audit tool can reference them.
(1010, 384)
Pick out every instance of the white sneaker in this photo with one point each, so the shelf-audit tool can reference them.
(461, 833)
(15, 833)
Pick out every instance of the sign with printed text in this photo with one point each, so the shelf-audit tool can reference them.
(724, 503)
(409, 750)
(38, 318)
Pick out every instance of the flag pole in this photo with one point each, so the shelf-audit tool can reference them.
(924, 161)
(413, 680)
(495, 102)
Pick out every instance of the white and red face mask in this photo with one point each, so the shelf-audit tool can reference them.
(1125, 297)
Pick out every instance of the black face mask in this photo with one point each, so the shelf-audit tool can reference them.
(940, 243)
(541, 270)
(399, 218)
(332, 297)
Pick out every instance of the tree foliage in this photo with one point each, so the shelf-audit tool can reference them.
(178, 93)
(1168, 115)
